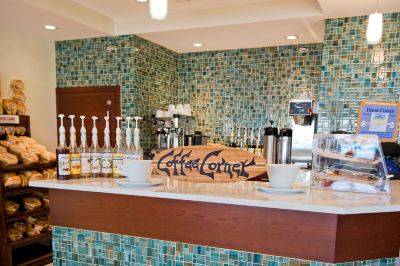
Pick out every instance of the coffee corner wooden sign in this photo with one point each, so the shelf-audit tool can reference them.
(215, 163)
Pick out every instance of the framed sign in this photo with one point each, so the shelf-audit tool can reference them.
(379, 118)
(209, 163)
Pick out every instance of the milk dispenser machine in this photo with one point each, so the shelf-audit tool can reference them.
(304, 119)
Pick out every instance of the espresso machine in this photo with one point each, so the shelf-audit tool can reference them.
(304, 119)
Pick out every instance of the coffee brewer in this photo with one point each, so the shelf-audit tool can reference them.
(304, 125)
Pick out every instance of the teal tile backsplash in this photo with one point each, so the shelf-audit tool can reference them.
(76, 247)
(243, 87)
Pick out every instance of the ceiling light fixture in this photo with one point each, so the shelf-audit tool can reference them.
(197, 44)
(291, 37)
(375, 27)
(50, 27)
(158, 9)
(142, 1)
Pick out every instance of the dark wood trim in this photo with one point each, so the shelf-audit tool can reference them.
(306, 235)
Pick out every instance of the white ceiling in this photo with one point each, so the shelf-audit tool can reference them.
(218, 24)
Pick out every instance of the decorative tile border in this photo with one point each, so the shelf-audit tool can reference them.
(84, 248)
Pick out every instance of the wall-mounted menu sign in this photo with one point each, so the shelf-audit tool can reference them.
(211, 163)
(379, 118)
(9, 119)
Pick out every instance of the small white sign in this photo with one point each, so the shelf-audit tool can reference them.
(9, 119)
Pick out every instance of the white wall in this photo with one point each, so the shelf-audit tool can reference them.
(31, 59)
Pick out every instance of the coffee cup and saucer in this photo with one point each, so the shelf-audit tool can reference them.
(282, 178)
(138, 174)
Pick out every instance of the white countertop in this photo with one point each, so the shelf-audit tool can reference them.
(243, 193)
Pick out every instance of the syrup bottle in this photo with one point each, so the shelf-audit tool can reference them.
(84, 151)
(106, 153)
(95, 155)
(74, 155)
(63, 163)
(118, 153)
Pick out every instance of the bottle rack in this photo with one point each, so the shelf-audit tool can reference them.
(35, 250)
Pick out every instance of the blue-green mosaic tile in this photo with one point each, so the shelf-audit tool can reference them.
(142, 251)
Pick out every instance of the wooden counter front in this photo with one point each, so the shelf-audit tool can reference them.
(324, 237)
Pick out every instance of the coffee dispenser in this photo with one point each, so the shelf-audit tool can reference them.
(304, 125)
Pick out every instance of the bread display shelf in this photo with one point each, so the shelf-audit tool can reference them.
(21, 191)
(22, 167)
(29, 240)
(25, 214)
(39, 261)
(350, 159)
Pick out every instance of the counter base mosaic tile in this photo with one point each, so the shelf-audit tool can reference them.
(73, 247)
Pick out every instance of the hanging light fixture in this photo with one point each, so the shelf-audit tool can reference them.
(158, 9)
(375, 27)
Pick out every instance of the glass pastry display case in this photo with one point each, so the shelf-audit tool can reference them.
(349, 163)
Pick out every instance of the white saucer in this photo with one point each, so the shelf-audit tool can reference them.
(294, 190)
(153, 182)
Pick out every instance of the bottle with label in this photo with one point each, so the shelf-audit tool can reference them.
(138, 151)
(129, 152)
(252, 142)
(95, 153)
(258, 143)
(84, 151)
(74, 154)
(106, 153)
(243, 144)
(118, 153)
(239, 139)
(63, 163)
(232, 142)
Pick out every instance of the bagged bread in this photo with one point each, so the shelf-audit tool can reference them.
(43, 196)
(9, 107)
(17, 85)
(2, 130)
(33, 175)
(31, 203)
(21, 109)
(28, 158)
(11, 180)
(41, 225)
(49, 173)
(19, 98)
(10, 130)
(47, 157)
(24, 180)
(11, 207)
(32, 230)
(14, 234)
(20, 130)
(7, 159)
(20, 226)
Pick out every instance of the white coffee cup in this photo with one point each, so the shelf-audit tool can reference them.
(137, 171)
(179, 108)
(171, 107)
(187, 107)
(282, 175)
(159, 113)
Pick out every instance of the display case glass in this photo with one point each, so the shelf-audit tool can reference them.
(349, 163)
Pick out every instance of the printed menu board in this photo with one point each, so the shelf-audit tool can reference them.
(379, 118)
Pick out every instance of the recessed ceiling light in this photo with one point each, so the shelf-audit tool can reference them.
(142, 1)
(197, 44)
(292, 37)
(50, 27)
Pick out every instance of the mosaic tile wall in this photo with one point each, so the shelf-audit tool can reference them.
(145, 71)
(86, 248)
(352, 70)
(246, 87)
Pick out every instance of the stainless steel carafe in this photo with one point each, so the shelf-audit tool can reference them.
(270, 141)
(285, 146)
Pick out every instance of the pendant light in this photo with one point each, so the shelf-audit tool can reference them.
(158, 9)
(375, 27)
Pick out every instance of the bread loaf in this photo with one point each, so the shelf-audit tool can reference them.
(47, 157)
(7, 159)
(11, 180)
(26, 139)
(5, 143)
(14, 234)
(9, 107)
(21, 109)
(29, 158)
(31, 203)
(10, 130)
(17, 85)
(11, 207)
(20, 226)
(32, 230)
(19, 98)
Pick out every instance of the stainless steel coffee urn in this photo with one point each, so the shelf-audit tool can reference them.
(304, 124)
(285, 146)
(270, 142)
